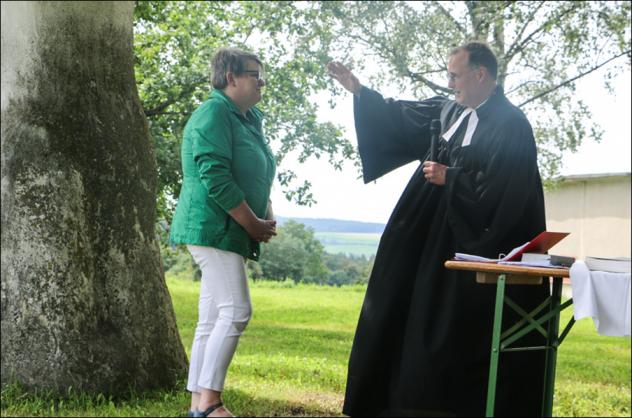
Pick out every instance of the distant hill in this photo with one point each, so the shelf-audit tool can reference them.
(336, 225)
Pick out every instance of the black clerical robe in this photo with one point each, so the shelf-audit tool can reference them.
(423, 340)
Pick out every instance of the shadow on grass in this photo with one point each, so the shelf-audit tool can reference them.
(247, 405)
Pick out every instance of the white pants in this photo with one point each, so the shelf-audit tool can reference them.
(224, 312)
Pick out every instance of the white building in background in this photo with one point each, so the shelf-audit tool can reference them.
(595, 209)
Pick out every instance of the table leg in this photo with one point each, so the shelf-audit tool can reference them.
(551, 351)
(493, 363)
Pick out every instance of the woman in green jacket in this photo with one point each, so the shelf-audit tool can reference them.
(223, 214)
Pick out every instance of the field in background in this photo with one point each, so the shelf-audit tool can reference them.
(292, 361)
(354, 243)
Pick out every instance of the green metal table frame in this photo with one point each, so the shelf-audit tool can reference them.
(547, 312)
(528, 323)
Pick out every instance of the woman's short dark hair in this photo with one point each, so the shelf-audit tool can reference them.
(480, 55)
(229, 60)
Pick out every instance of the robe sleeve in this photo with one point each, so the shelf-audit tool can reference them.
(485, 204)
(392, 133)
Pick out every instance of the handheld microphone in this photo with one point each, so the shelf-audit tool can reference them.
(435, 130)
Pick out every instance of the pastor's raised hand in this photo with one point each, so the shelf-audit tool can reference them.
(344, 76)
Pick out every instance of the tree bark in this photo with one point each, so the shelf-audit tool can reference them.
(84, 300)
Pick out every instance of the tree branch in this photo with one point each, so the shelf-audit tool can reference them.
(482, 13)
(157, 110)
(474, 8)
(515, 48)
(438, 70)
(384, 52)
(172, 113)
(528, 20)
(435, 87)
(450, 18)
(570, 80)
(521, 85)
(248, 35)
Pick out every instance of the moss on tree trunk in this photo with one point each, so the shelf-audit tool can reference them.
(84, 301)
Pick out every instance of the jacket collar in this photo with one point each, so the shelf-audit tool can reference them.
(219, 94)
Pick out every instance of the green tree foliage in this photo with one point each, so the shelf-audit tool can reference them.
(348, 269)
(174, 43)
(543, 48)
(293, 254)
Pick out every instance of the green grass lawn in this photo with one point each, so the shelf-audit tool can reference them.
(292, 360)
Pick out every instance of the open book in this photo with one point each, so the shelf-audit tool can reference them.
(540, 244)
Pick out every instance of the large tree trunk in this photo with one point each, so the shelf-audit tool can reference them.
(84, 301)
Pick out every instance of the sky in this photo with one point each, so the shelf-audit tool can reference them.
(342, 195)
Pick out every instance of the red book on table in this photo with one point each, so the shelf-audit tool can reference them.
(540, 244)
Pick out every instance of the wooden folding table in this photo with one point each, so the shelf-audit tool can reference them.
(550, 309)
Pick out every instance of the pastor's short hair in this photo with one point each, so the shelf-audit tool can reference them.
(480, 55)
(228, 60)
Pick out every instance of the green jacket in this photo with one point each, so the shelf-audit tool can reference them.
(225, 159)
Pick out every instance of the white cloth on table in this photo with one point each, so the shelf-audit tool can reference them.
(603, 296)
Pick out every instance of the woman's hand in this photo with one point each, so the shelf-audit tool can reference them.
(258, 229)
(344, 76)
(261, 230)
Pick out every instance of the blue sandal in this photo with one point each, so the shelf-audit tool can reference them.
(200, 414)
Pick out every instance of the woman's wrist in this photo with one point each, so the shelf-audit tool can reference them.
(244, 216)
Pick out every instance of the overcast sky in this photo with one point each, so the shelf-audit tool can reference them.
(341, 195)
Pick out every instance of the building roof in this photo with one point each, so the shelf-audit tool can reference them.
(596, 176)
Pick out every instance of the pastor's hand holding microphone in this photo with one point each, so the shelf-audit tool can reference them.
(433, 171)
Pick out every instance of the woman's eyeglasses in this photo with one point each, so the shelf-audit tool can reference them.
(255, 74)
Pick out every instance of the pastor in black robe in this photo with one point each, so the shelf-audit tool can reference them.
(423, 340)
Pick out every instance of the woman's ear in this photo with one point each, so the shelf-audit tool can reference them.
(230, 79)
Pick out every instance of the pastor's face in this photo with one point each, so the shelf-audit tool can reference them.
(465, 81)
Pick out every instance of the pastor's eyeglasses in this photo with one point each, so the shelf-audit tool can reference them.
(453, 77)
